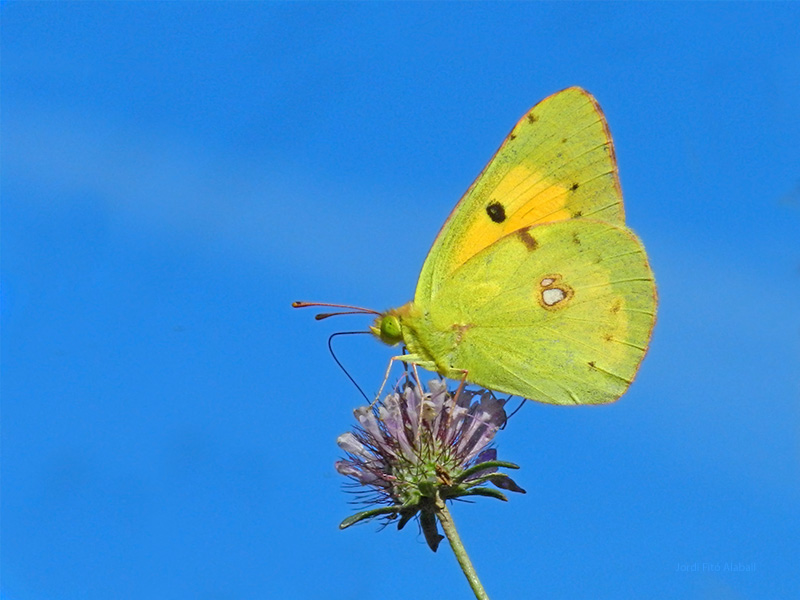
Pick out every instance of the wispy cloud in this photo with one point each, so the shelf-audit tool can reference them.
(276, 212)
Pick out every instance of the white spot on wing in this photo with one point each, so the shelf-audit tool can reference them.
(553, 296)
(547, 281)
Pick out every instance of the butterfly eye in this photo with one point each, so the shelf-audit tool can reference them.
(390, 330)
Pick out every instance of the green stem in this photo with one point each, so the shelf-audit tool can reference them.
(458, 549)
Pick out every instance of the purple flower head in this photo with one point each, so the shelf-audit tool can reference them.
(416, 446)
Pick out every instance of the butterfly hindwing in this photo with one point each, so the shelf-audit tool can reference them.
(561, 313)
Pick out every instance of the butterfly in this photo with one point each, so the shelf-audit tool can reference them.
(534, 286)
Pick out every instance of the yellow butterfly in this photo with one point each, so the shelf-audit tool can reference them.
(534, 286)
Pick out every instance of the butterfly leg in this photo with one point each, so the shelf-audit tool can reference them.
(406, 359)
(385, 379)
(461, 385)
(416, 376)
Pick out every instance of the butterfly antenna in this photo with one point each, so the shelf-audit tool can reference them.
(513, 412)
(321, 316)
(338, 362)
(349, 310)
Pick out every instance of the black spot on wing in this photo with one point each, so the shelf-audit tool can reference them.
(532, 118)
(496, 211)
(574, 187)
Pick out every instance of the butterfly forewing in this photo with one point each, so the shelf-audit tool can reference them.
(556, 164)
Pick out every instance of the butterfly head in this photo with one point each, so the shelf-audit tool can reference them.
(387, 328)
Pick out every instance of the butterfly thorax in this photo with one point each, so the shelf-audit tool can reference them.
(429, 346)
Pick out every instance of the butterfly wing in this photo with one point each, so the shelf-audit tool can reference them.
(557, 163)
(560, 313)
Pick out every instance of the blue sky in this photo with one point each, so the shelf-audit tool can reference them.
(175, 174)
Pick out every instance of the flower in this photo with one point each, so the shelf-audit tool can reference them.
(418, 448)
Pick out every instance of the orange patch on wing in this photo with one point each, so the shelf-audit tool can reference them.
(544, 203)
(527, 198)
